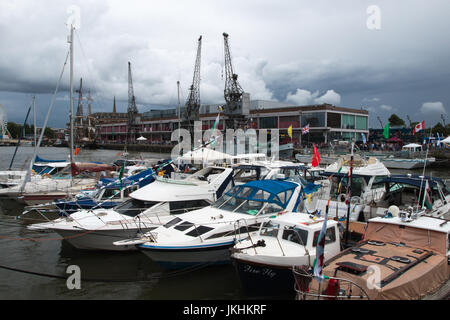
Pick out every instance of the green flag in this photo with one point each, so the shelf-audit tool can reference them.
(386, 131)
(121, 171)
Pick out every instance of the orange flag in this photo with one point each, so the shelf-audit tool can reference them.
(315, 157)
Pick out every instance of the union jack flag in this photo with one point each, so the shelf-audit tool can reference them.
(305, 129)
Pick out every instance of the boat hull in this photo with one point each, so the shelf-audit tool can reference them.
(264, 280)
(407, 164)
(177, 257)
(100, 239)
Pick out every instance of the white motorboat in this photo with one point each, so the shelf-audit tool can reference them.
(405, 163)
(264, 262)
(59, 186)
(204, 236)
(410, 157)
(410, 191)
(149, 207)
(11, 178)
(364, 189)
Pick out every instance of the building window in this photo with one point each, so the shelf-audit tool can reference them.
(333, 120)
(314, 119)
(268, 122)
(348, 136)
(293, 121)
(348, 121)
(361, 122)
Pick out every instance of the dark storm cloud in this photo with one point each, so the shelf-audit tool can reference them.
(281, 50)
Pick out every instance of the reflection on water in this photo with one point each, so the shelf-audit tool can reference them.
(124, 275)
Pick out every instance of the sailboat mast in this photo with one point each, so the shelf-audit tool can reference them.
(71, 94)
(34, 121)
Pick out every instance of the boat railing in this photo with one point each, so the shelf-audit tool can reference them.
(237, 230)
(308, 287)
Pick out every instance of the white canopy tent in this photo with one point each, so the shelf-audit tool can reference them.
(412, 147)
(205, 155)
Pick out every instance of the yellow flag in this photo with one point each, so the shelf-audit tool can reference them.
(290, 131)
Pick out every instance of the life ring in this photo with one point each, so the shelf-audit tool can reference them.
(342, 197)
(45, 175)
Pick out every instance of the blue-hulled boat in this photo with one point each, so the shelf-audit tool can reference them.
(108, 193)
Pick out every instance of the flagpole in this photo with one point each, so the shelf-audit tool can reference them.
(423, 172)
(349, 190)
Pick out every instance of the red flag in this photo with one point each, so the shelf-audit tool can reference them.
(316, 157)
(420, 126)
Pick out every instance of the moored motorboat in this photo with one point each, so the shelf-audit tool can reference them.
(203, 237)
(148, 207)
(264, 262)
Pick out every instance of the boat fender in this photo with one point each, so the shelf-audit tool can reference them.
(342, 197)
(332, 289)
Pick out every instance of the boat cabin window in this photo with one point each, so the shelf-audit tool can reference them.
(42, 169)
(111, 194)
(198, 231)
(339, 186)
(295, 234)
(129, 190)
(290, 173)
(330, 236)
(177, 207)
(269, 229)
(133, 207)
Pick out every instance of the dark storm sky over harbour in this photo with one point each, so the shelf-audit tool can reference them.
(300, 52)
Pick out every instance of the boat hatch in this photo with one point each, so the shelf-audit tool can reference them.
(172, 222)
(198, 231)
(352, 267)
(184, 225)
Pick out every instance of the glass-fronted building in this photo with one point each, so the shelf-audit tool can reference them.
(326, 123)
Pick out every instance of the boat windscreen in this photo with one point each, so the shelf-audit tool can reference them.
(133, 207)
(248, 200)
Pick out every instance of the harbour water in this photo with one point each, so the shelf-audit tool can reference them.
(105, 275)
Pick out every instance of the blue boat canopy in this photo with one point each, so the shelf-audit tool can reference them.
(278, 192)
(39, 159)
(111, 183)
(413, 180)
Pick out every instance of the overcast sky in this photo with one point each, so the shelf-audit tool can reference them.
(391, 59)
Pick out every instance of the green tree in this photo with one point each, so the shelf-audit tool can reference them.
(395, 120)
(14, 129)
(439, 128)
(49, 133)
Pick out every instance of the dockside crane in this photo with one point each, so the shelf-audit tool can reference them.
(233, 92)
(192, 106)
(132, 110)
